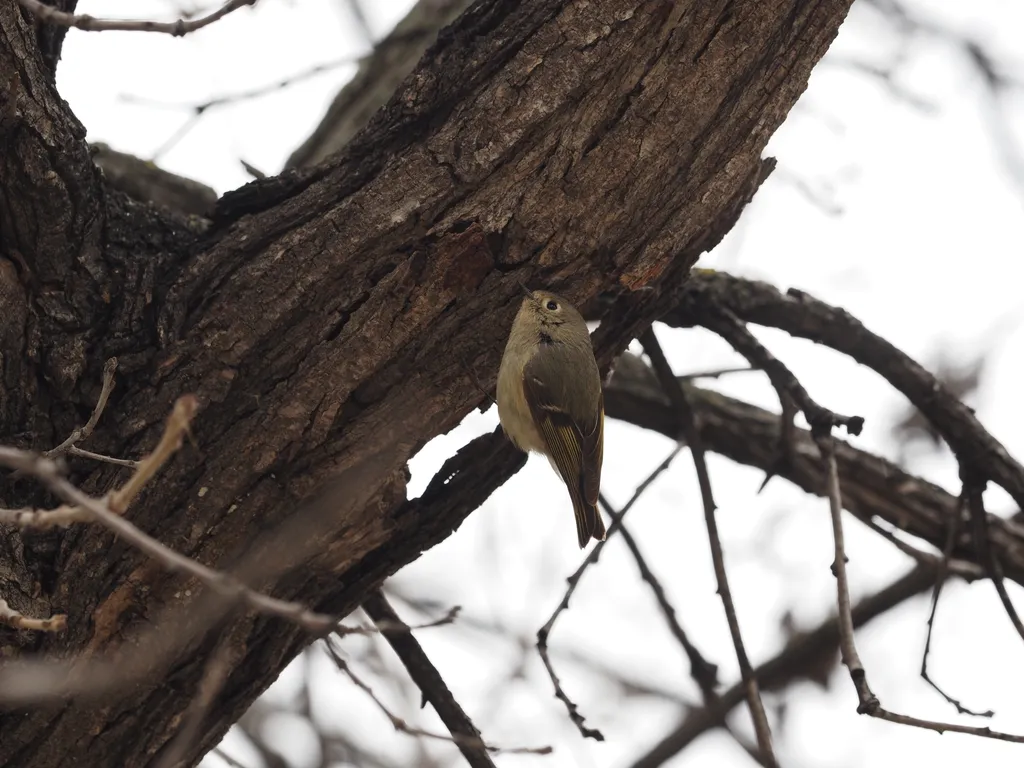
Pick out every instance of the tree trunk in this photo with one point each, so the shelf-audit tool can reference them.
(342, 316)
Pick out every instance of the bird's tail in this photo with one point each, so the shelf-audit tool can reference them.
(589, 524)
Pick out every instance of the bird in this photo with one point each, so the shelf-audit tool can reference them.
(550, 400)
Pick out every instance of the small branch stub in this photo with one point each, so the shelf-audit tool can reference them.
(16, 620)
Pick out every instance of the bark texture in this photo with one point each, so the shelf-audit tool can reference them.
(347, 311)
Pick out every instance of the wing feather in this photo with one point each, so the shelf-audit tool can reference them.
(577, 453)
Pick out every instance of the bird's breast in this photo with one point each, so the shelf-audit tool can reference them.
(514, 412)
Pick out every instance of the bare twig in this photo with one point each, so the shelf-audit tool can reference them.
(197, 110)
(573, 582)
(77, 435)
(703, 671)
(872, 487)
(234, 762)
(941, 571)
(178, 625)
(973, 486)
(803, 316)
(49, 15)
(802, 657)
(847, 647)
(675, 392)
(966, 570)
(215, 674)
(61, 517)
(716, 373)
(246, 95)
(12, 618)
(76, 451)
(107, 512)
(728, 326)
(430, 682)
(400, 724)
(868, 703)
(170, 441)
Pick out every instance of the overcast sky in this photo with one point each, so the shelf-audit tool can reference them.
(917, 231)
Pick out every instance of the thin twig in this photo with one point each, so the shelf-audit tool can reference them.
(716, 373)
(15, 620)
(198, 110)
(787, 440)
(234, 762)
(400, 724)
(868, 703)
(108, 511)
(170, 441)
(50, 15)
(807, 654)
(942, 570)
(246, 95)
(77, 435)
(802, 316)
(573, 581)
(215, 674)
(973, 486)
(848, 649)
(430, 682)
(729, 327)
(675, 392)
(61, 517)
(964, 569)
(703, 671)
(76, 451)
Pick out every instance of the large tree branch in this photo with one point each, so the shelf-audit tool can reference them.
(592, 147)
(809, 655)
(872, 487)
(804, 316)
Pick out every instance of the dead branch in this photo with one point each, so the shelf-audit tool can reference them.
(50, 15)
(12, 618)
(973, 486)
(942, 569)
(108, 513)
(573, 581)
(803, 655)
(430, 682)
(77, 435)
(803, 316)
(218, 668)
(873, 486)
(703, 671)
(677, 395)
(725, 324)
(868, 702)
(40, 681)
(400, 724)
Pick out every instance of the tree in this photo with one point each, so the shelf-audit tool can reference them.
(316, 316)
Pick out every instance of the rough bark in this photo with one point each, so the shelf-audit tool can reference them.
(351, 310)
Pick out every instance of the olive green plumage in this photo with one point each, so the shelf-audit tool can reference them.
(550, 400)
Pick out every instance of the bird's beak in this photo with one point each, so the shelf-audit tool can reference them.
(526, 290)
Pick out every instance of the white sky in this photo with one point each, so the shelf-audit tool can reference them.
(926, 252)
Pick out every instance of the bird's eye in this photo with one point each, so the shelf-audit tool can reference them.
(552, 305)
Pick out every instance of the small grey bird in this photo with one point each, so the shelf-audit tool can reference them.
(550, 399)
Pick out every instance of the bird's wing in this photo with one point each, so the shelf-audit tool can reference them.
(593, 451)
(575, 448)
